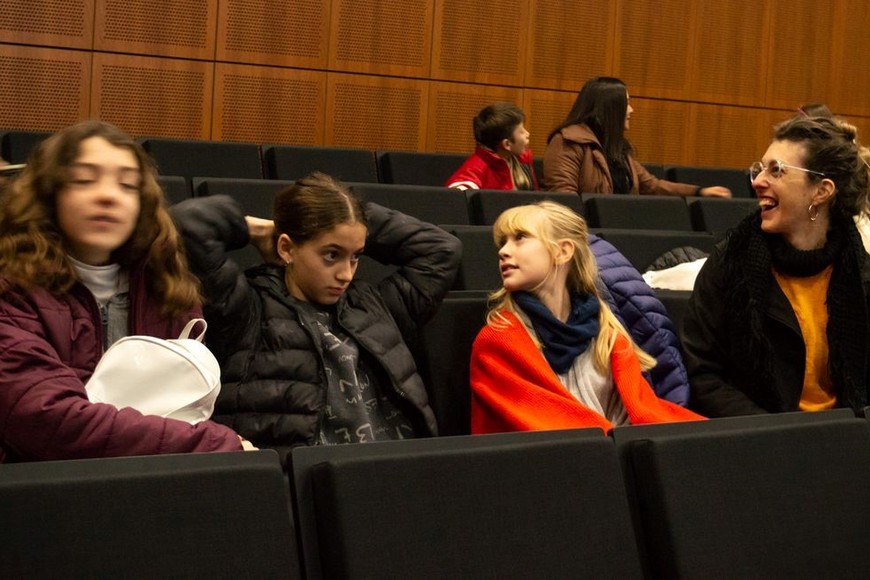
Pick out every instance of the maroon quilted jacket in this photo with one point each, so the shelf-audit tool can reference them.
(49, 346)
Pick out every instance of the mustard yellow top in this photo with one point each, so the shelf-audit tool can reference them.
(808, 298)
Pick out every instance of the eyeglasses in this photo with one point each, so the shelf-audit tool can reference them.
(776, 168)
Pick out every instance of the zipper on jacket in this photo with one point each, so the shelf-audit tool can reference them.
(104, 319)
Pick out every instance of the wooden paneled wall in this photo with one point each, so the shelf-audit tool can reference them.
(707, 78)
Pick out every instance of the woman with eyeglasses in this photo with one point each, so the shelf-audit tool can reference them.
(588, 153)
(778, 320)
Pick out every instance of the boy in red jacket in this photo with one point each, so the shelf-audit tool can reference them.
(502, 159)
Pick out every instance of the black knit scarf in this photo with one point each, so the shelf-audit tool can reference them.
(749, 258)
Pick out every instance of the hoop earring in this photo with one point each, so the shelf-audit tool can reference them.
(813, 216)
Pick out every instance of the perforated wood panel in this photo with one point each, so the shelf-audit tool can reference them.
(545, 110)
(269, 105)
(180, 28)
(376, 112)
(154, 97)
(653, 53)
(569, 42)
(43, 89)
(728, 70)
(459, 50)
(381, 36)
(66, 23)
(659, 131)
(863, 126)
(727, 136)
(799, 71)
(274, 32)
(452, 108)
(851, 91)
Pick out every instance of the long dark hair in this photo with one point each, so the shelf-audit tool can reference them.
(601, 105)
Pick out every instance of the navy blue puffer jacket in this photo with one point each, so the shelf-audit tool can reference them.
(645, 317)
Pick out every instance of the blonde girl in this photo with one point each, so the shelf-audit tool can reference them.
(552, 354)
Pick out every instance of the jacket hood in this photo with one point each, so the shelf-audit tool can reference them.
(580, 134)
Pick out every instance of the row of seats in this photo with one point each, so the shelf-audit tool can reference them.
(774, 496)
(641, 227)
(437, 204)
(190, 158)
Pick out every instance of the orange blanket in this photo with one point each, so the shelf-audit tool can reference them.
(513, 387)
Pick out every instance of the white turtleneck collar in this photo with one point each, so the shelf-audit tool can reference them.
(103, 281)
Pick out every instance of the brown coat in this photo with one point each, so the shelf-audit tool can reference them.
(575, 163)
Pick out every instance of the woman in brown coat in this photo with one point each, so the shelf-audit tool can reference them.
(589, 153)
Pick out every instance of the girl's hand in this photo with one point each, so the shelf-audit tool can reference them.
(262, 232)
(247, 445)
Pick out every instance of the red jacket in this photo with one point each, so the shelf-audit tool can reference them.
(50, 345)
(513, 387)
(485, 169)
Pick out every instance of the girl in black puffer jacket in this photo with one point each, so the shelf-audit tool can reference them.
(310, 356)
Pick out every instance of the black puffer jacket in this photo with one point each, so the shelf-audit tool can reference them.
(273, 383)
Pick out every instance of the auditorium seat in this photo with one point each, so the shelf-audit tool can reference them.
(293, 162)
(16, 145)
(657, 169)
(418, 168)
(437, 205)
(205, 158)
(676, 302)
(174, 187)
(199, 515)
(737, 180)
(479, 267)
(516, 505)
(716, 215)
(643, 212)
(447, 340)
(538, 166)
(257, 198)
(485, 205)
(776, 501)
(642, 247)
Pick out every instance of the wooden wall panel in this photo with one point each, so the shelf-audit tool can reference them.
(654, 48)
(728, 68)
(371, 73)
(43, 89)
(727, 136)
(154, 97)
(179, 28)
(799, 67)
(268, 105)
(545, 110)
(376, 112)
(570, 41)
(65, 23)
(461, 53)
(381, 37)
(452, 108)
(863, 126)
(274, 32)
(851, 74)
(660, 131)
